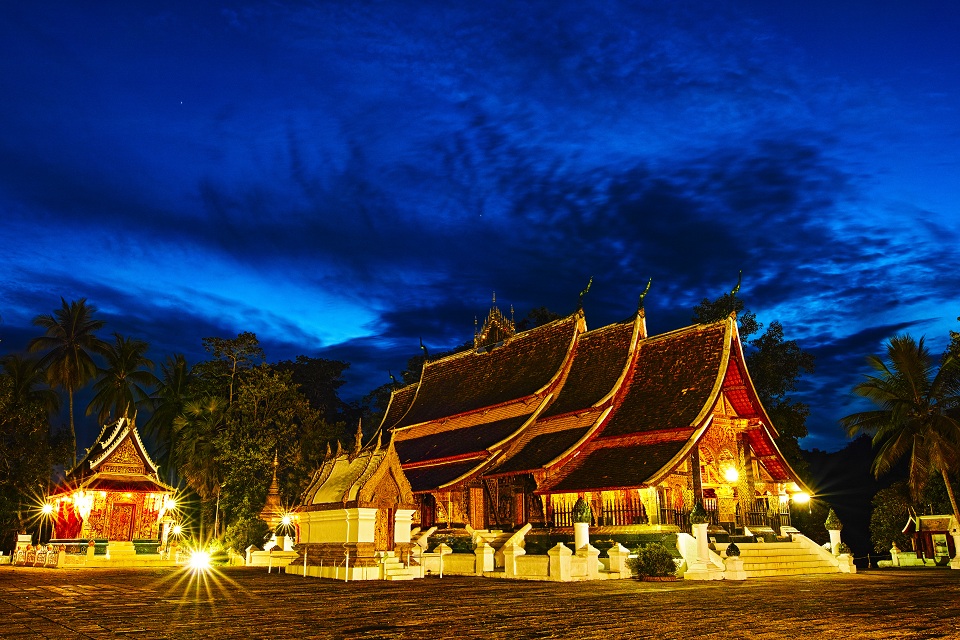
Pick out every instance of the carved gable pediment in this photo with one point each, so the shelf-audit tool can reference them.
(124, 459)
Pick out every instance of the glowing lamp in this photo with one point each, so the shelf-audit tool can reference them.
(83, 503)
(199, 561)
(801, 497)
(731, 474)
(286, 520)
(177, 530)
(47, 509)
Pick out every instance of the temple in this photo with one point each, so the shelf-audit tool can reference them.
(514, 430)
(113, 496)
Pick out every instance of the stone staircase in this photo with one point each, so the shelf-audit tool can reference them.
(495, 538)
(393, 568)
(768, 559)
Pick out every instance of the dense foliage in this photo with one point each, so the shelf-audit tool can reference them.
(917, 414)
(652, 560)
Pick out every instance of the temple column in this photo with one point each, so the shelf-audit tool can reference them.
(745, 488)
(695, 474)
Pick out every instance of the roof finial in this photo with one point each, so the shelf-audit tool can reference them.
(494, 298)
(359, 442)
(584, 293)
(426, 355)
(511, 313)
(644, 295)
(329, 452)
(733, 293)
(392, 379)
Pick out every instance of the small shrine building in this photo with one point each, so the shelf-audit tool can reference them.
(355, 515)
(514, 430)
(114, 493)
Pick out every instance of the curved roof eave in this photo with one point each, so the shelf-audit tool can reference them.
(583, 440)
(765, 418)
(705, 417)
(795, 478)
(639, 328)
(476, 470)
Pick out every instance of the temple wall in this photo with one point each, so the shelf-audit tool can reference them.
(341, 525)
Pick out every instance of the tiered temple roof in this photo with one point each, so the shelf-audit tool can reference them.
(581, 410)
(117, 461)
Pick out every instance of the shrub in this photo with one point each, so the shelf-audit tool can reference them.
(699, 515)
(653, 560)
(843, 548)
(581, 511)
(832, 523)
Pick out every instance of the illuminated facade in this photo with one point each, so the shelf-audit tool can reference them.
(114, 492)
(516, 429)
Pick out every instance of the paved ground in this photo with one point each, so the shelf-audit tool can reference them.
(242, 602)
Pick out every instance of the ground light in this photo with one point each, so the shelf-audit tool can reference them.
(199, 561)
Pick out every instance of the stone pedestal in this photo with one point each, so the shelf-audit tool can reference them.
(591, 555)
(484, 553)
(702, 568)
(581, 534)
(560, 562)
(834, 541)
(955, 561)
(846, 563)
(619, 555)
(734, 569)
(510, 553)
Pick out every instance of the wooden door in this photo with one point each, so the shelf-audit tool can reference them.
(121, 521)
(383, 538)
(477, 511)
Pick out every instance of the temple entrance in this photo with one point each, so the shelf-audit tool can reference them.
(428, 511)
(121, 522)
(477, 515)
(383, 531)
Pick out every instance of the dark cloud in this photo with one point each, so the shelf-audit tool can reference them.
(345, 178)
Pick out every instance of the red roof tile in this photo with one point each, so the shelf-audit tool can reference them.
(400, 402)
(615, 467)
(672, 380)
(433, 477)
(599, 360)
(468, 381)
(447, 444)
(540, 450)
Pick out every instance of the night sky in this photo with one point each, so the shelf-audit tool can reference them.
(343, 178)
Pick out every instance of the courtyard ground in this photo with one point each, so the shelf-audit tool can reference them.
(249, 603)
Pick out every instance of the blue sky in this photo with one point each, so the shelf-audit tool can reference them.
(343, 178)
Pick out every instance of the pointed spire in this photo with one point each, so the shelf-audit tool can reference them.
(339, 448)
(734, 292)
(736, 289)
(358, 444)
(379, 435)
(494, 298)
(584, 293)
(329, 452)
(644, 295)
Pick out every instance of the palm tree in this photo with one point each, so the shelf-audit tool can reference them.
(918, 414)
(124, 382)
(70, 342)
(28, 384)
(196, 433)
(169, 402)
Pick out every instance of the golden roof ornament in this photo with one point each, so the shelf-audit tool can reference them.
(644, 295)
(583, 294)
